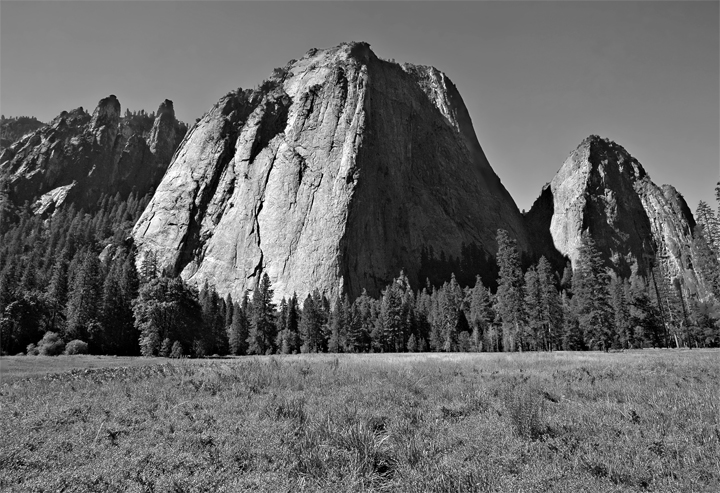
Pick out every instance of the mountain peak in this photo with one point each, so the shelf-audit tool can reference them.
(107, 112)
(335, 173)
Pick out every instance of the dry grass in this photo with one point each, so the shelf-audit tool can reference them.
(587, 422)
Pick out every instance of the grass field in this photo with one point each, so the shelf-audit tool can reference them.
(590, 422)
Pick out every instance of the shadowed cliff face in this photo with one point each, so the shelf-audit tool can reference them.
(603, 189)
(334, 174)
(78, 157)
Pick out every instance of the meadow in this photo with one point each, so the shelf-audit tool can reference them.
(524, 422)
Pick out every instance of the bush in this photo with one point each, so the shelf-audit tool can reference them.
(526, 409)
(166, 348)
(76, 347)
(51, 344)
(177, 350)
(32, 350)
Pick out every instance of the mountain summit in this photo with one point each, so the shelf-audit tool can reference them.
(336, 173)
(635, 224)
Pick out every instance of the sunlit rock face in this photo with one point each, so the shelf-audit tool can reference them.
(78, 157)
(336, 173)
(603, 189)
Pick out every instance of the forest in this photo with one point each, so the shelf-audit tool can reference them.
(69, 283)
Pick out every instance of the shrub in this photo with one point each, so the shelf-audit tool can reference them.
(51, 344)
(412, 344)
(526, 410)
(76, 347)
(177, 350)
(32, 350)
(166, 348)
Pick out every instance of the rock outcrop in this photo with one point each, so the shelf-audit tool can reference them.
(78, 157)
(336, 173)
(603, 189)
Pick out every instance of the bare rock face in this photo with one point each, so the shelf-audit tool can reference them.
(78, 157)
(334, 174)
(603, 189)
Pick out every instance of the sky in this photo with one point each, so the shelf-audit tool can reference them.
(537, 77)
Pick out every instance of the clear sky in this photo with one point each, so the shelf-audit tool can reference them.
(537, 77)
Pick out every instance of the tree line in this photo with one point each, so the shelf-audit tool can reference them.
(74, 276)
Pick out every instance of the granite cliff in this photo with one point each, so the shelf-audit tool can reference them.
(78, 157)
(602, 188)
(335, 173)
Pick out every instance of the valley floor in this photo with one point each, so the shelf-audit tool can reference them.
(591, 422)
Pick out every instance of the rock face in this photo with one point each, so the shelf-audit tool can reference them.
(78, 157)
(603, 189)
(333, 174)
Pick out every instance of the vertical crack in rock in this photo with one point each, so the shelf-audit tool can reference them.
(191, 243)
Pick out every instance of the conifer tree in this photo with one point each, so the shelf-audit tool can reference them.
(84, 298)
(509, 298)
(311, 326)
(645, 316)
(449, 305)
(238, 332)
(622, 335)
(56, 296)
(706, 263)
(363, 322)
(262, 322)
(336, 322)
(550, 306)
(480, 310)
(533, 309)
(167, 309)
(281, 323)
(708, 224)
(113, 313)
(423, 306)
(393, 316)
(229, 307)
(435, 338)
(572, 335)
(591, 295)
(293, 322)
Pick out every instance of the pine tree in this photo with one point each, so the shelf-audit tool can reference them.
(166, 309)
(262, 334)
(550, 306)
(336, 322)
(708, 225)
(481, 315)
(533, 309)
(310, 327)
(436, 318)
(238, 333)
(84, 299)
(449, 305)
(572, 336)
(112, 314)
(622, 334)
(645, 316)
(509, 298)
(56, 296)
(293, 321)
(706, 263)
(423, 306)
(591, 295)
(281, 324)
(128, 337)
(393, 316)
